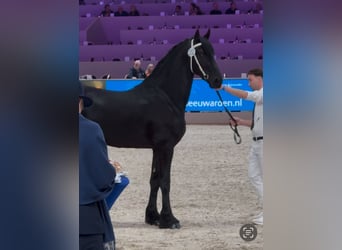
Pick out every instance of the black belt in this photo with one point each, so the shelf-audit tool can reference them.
(258, 138)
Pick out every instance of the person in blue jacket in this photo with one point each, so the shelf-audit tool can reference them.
(97, 177)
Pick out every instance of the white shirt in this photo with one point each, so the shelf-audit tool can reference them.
(257, 96)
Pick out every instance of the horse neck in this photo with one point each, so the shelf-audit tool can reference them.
(174, 76)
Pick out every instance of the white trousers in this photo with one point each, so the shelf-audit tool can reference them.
(255, 172)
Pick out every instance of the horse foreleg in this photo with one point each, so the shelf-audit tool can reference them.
(151, 214)
(167, 220)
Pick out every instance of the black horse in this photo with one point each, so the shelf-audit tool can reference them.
(151, 115)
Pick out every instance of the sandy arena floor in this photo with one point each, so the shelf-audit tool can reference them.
(210, 194)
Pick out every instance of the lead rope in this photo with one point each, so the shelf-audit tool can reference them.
(192, 54)
(237, 137)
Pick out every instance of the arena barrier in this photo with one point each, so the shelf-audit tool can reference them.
(204, 106)
(202, 97)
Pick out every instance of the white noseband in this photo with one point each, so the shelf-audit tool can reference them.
(192, 54)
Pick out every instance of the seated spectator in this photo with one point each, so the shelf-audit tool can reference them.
(149, 69)
(195, 10)
(133, 11)
(258, 8)
(232, 9)
(136, 72)
(107, 11)
(121, 12)
(215, 10)
(96, 182)
(88, 77)
(178, 11)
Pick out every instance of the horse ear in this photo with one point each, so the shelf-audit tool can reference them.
(197, 35)
(207, 35)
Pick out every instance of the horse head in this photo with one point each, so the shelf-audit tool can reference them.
(202, 61)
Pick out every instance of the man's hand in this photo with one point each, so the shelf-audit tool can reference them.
(232, 123)
(116, 165)
(223, 86)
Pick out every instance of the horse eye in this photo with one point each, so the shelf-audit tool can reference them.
(200, 52)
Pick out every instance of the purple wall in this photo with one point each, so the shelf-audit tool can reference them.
(110, 35)
(154, 9)
(232, 68)
(109, 52)
(113, 25)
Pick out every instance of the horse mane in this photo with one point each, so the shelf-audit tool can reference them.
(169, 53)
(161, 64)
(158, 70)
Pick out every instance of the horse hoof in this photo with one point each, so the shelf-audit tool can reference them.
(175, 226)
(153, 223)
(172, 226)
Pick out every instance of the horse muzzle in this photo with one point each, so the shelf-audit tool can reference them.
(215, 83)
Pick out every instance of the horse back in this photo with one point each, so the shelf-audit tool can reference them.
(137, 118)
